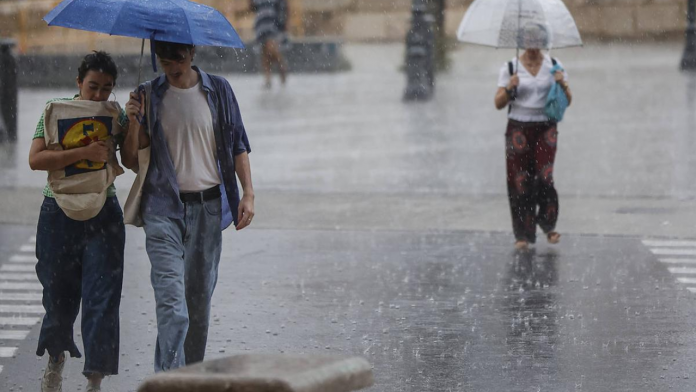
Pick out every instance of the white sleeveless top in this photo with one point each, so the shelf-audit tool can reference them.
(532, 91)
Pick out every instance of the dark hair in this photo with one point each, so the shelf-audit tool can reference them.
(171, 50)
(97, 61)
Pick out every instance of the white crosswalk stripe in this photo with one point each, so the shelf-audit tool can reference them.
(17, 268)
(7, 352)
(678, 261)
(18, 276)
(21, 309)
(20, 298)
(667, 244)
(23, 259)
(29, 286)
(682, 271)
(13, 335)
(673, 252)
(679, 255)
(19, 321)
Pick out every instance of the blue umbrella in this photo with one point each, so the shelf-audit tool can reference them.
(180, 21)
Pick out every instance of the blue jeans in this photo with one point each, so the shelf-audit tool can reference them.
(184, 254)
(81, 262)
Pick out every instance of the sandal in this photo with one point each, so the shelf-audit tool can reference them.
(553, 237)
(521, 245)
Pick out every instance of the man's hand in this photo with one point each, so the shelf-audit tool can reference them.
(246, 211)
(96, 151)
(135, 108)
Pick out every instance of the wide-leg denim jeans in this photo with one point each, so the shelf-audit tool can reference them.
(184, 254)
(81, 262)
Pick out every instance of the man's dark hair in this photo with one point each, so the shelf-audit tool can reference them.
(97, 61)
(171, 50)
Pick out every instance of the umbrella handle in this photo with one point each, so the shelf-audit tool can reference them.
(140, 64)
(152, 52)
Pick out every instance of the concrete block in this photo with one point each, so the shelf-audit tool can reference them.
(266, 373)
(365, 27)
(453, 17)
(660, 19)
(618, 21)
(397, 25)
(588, 20)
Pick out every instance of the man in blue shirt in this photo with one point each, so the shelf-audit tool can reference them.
(197, 144)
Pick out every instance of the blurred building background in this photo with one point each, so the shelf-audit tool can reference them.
(351, 21)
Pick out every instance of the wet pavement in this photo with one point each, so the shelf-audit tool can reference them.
(450, 311)
(383, 230)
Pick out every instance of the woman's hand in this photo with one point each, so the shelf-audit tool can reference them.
(514, 82)
(558, 75)
(96, 151)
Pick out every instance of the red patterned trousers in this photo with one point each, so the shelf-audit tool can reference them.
(530, 153)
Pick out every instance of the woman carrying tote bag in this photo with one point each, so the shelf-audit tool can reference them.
(80, 237)
(524, 84)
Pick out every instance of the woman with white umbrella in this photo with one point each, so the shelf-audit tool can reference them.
(523, 86)
(531, 137)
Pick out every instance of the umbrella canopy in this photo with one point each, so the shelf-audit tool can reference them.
(542, 24)
(180, 21)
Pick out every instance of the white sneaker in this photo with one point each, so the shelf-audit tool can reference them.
(93, 389)
(53, 376)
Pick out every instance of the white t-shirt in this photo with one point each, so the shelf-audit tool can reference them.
(187, 124)
(532, 91)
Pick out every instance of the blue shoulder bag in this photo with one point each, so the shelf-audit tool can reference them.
(556, 101)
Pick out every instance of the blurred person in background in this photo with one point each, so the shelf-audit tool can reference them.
(270, 27)
(531, 137)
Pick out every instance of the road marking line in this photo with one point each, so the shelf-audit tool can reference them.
(21, 296)
(21, 286)
(692, 289)
(24, 309)
(673, 252)
(677, 261)
(687, 280)
(18, 276)
(23, 259)
(666, 243)
(13, 335)
(27, 248)
(20, 321)
(7, 352)
(17, 268)
(683, 270)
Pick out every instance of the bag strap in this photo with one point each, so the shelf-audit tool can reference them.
(511, 70)
(147, 89)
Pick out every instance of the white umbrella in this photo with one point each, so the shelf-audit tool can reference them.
(542, 24)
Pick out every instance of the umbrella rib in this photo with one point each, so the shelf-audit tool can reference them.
(118, 16)
(188, 22)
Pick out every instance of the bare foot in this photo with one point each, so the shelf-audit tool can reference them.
(521, 245)
(553, 237)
